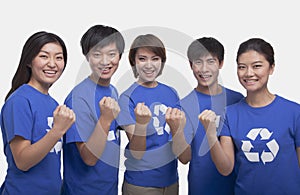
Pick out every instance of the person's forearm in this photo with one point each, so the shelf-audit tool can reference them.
(181, 148)
(31, 154)
(219, 156)
(137, 144)
(92, 150)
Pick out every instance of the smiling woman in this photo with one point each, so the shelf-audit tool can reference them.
(32, 122)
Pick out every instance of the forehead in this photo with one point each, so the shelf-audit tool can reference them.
(105, 48)
(48, 47)
(145, 51)
(206, 56)
(251, 56)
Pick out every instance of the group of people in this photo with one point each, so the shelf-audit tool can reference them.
(233, 144)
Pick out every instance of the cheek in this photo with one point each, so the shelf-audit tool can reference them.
(115, 61)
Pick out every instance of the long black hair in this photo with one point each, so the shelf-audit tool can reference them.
(30, 50)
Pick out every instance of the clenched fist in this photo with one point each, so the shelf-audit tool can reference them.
(109, 108)
(208, 119)
(142, 114)
(176, 120)
(63, 118)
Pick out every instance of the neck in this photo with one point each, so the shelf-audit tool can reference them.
(150, 84)
(100, 81)
(209, 90)
(260, 99)
(40, 88)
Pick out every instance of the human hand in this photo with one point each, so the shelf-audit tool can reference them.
(176, 120)
(63, 118)
(109, 108)
(142, 114)
(208, 119)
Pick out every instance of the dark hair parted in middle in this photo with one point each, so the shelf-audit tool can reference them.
(259, 45)
(151, 43)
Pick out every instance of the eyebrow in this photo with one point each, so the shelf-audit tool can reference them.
(48, 52)
(256, 62)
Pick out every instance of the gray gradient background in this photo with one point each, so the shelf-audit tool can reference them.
(231, 22)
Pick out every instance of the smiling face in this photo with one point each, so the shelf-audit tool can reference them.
(103, 62)
(46, 67)
(148, 66)
(206, 71)
(253, 71)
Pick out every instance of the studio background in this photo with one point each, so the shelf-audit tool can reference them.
(176, 23)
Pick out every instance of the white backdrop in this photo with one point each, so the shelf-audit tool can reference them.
(231, 22)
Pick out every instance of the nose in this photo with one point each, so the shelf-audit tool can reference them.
(249, 72)
(148, 63)
(51, 63)
(203, 67)
(105, 60)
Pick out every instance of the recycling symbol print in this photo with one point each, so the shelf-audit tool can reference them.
(159, 111)
(262, 134)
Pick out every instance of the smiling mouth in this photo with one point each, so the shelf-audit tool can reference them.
(250, 80)
(205, 76)
(105, 68)
(50, 72)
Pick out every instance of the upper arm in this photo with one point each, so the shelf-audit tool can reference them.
(17, 145)
(298, 154)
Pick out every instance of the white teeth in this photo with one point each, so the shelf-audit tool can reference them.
(106, 68)
(205, 76)
(49, 71)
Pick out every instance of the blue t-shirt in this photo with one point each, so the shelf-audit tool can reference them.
(265, 140)
(80, 178)
(203, 177)
(29, 113)
(158, 166)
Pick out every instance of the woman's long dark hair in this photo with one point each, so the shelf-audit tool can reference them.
(30, 50)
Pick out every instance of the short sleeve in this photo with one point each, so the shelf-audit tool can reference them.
(85, 123)
(17, 118)
(297, 131)
(126, 115)
(225, 130)
(188, 129)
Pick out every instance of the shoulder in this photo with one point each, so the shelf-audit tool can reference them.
(286, 103)
(81, 89)
(162, 86)
(190, 97)
(233, 93)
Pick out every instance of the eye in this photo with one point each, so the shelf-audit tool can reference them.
(256, 66)
(197, 62)
(60, 57)
(241, 67)
(156, 59)
(113, 54)
(43, 56)
(142, 59)
(96, 55)
(211, 62)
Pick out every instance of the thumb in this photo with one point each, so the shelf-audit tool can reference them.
(56, 110)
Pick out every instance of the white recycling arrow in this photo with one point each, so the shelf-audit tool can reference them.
(273, 147)
(246, 146)
(265, 134)
(252, 156)
(253, 133)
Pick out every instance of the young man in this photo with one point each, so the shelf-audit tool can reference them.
(91, 146)
(206, 57)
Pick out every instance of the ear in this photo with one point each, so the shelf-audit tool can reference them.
(272, 68)
(29, 65)
(221, 64)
